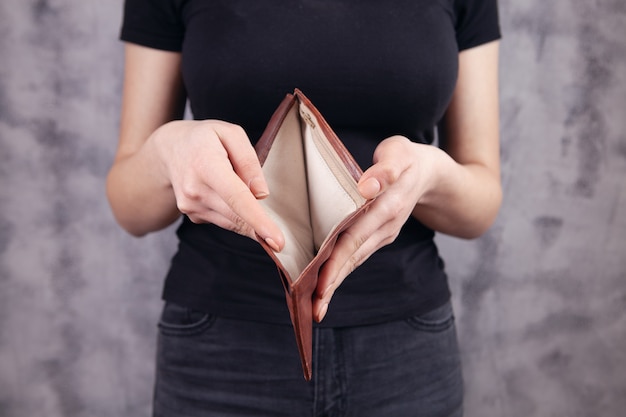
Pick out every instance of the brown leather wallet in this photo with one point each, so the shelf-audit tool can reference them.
(312, 180)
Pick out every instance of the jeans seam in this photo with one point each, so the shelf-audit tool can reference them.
(317, 355)
(340, 371)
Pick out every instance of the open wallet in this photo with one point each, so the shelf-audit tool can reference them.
(313, 197)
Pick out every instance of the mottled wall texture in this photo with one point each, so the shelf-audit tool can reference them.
(541, 298)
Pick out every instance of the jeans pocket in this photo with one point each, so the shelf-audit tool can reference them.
(177, 320)
(436, 320)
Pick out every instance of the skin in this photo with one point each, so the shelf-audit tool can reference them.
(164, 167)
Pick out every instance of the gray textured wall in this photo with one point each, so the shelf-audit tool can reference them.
(541, 299)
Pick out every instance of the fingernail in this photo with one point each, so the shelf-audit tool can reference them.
(258, 188)
(370, 188)
(272, 244)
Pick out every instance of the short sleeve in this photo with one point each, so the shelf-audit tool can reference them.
(477, 22)
(153, 23)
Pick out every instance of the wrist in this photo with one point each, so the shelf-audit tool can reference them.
(436, 169)
(163, 149)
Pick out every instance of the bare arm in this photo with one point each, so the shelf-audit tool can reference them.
(141, 199)
(466, 196)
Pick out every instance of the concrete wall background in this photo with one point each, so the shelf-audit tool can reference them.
(541, 299)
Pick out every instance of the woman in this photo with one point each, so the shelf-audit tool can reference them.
(383, 75)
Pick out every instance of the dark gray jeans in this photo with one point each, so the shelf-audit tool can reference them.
(213, 366)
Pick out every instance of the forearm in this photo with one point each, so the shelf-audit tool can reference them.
(464, 199)
(140, 195)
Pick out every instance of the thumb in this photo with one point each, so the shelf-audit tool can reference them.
(378, 178)
(369, 187)
(390, 160)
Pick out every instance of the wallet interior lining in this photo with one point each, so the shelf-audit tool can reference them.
(311, 191)
(333, 193)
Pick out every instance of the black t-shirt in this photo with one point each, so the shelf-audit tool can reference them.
(373, 69)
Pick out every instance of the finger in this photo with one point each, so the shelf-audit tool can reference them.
(331, 276)
(221, 215)
(244, 204)
(237, 225)
(353, 248)
(243, 158)
(203, 205)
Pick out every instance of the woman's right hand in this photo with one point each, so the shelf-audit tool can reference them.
(205, 169)
(216, 177)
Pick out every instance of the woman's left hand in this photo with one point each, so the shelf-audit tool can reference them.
(455, 189)
(403, 171)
